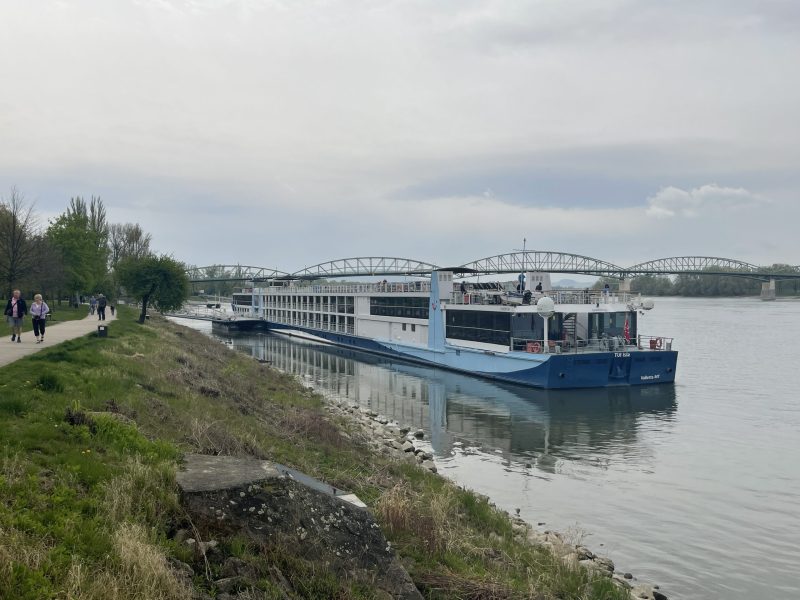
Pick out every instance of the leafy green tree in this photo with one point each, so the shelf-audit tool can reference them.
(81, 235)
(158, 281)
(715, 285)
(652, 285)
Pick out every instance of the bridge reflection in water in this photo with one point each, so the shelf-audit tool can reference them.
(525, 428)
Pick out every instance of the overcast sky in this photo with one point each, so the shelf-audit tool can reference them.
(286, 133)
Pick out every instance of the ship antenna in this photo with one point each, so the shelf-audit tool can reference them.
(524, 261)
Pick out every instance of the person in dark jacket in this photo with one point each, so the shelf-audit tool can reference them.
(16, 309)
(101, 307)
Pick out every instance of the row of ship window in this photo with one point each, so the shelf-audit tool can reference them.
(479, 326)
(340, 304)
(407, 308)
(312, 320)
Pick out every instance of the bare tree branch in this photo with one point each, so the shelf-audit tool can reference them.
(17, 232)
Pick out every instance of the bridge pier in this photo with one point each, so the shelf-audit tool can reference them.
(768, 290)
(625, 286)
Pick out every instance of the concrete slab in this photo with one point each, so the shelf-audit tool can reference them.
(203, 473)
(56, 333)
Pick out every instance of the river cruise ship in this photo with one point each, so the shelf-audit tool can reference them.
(542, 338)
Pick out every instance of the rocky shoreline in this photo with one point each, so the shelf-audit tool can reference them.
(401, 441)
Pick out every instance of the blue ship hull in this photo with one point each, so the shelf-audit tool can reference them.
(549, 371)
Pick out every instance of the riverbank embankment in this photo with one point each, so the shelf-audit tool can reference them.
(95, 430)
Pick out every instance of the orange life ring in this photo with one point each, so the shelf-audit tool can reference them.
(659, 343)
(536, 347)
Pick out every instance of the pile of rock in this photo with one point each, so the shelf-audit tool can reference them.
(578, 554)
(384, 435)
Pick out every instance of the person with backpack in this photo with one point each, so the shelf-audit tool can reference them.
(101, 307)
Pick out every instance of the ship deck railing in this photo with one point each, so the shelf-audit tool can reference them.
(514, 298)
(198, 311)
(604, 344)
(402, 287)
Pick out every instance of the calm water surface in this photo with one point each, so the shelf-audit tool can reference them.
(694, 486)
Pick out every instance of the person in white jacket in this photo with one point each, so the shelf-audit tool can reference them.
(39, 310)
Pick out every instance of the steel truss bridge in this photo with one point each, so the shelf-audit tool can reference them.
(514, 262)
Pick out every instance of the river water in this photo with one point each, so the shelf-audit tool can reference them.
(694, 486)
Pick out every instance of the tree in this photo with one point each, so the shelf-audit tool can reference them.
(48, 274)
(159, 281)
(81, 235)
(17, 232)
(652, 285)
(127, 240)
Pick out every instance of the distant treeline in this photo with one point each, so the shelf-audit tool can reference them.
(708, 285)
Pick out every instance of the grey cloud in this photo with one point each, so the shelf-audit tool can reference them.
(672, 201)
(305, 131)
(538, 24)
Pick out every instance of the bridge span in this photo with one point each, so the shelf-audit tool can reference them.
(513, 262)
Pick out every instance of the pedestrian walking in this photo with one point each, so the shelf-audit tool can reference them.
(92, 305)
(111, 306)
(39, 311)
(101, 307)
(16, 309)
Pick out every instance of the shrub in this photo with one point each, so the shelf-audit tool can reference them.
(49, 382)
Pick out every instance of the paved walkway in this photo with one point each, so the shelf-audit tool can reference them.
(56, 333)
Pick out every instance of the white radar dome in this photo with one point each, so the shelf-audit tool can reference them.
(648, 304)
(545, 306)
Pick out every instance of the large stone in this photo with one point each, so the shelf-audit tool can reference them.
(229, 585)
(645, 592)
(234, 567)
(430, 465)
(621, 581)
(181, 568)
(606, 564)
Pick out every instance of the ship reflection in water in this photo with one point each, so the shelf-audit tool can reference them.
(544, 431)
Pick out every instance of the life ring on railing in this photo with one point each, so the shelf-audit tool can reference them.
(659, 343)
(534, 347)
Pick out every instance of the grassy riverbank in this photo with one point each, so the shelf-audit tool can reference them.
(88, 504)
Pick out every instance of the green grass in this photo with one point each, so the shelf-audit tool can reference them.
(92, 433)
